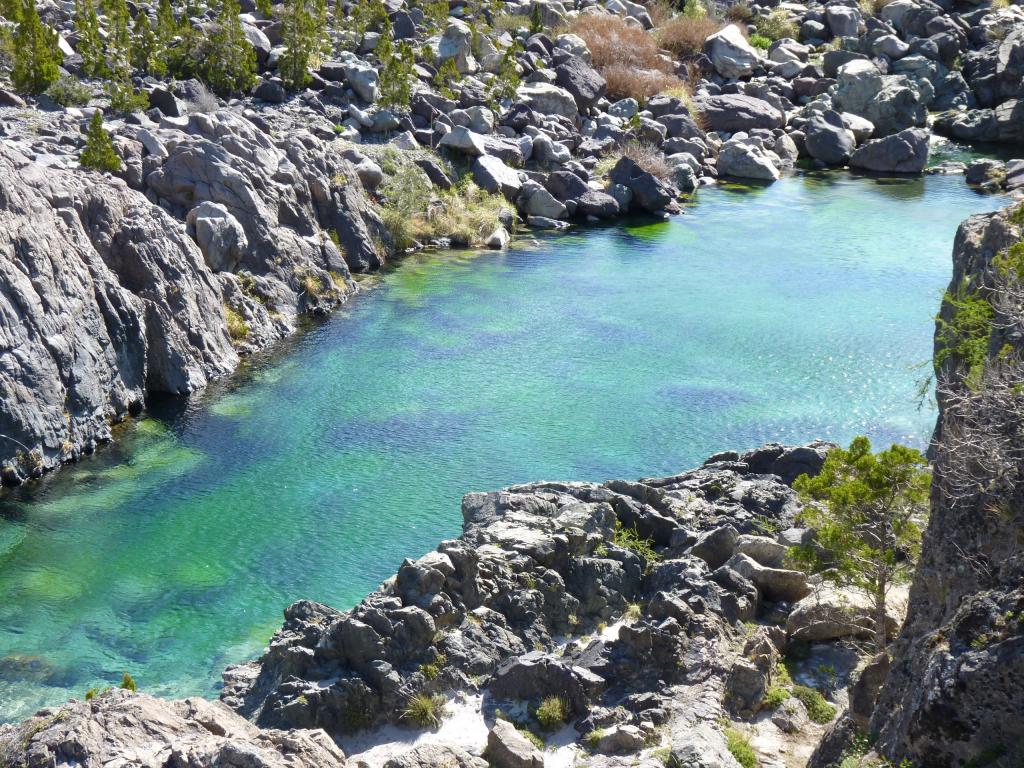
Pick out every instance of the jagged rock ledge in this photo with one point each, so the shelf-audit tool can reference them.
(648, 647)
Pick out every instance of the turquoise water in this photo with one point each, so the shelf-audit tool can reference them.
(787, 313)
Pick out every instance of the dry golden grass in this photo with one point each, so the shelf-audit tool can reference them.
(627, 57)
(625, 81)
(685, 35)
(612, 41)
(648, 157)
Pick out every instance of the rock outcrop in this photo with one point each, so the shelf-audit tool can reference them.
(118, 727)
(953, 694)
(215, 241)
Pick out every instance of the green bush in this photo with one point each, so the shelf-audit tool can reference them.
(69, 92)
(128, 683)
(965, 336)
(425, 710)
(740, 748)
(760, 41)
(99, 153)
(819, 710)
(552, 713)
(628, 538)
(776, 696)
(776, 25)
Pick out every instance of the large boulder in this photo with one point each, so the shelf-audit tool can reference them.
(649, 192)
(746, 160)
(827, 138)
(843, 20)
(508, 748)
(828, 614)
(548, 99)
(457, 44)
(732, 112)
(432, 755)
(775, 584)
(492, 175)
(730, 53)
(890, 102)
(903, 152)
(219, 235)
(581, 80)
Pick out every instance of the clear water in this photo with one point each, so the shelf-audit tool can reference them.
(787, 313)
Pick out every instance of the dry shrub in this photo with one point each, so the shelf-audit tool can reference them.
(640, 84)
(626, 56)
(685, 35)
(739, 13)
(660, 11)
(612, 41)
(648, 157)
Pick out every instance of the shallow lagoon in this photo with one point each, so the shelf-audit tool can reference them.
(787, 313)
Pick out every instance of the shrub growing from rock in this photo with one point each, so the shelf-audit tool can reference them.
(818, 709)
(99, 153)
(739, 746)
(425, 710)
(552, 713)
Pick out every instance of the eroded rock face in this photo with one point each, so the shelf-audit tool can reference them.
(954, 691)
(111, 289)
(123, 728)
(103, 297)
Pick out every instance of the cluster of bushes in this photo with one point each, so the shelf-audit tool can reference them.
(626, 56)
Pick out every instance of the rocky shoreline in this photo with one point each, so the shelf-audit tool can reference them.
(231, 217)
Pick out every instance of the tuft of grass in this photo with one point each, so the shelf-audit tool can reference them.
(628, 538)
(413, 211)
(552, 712)
(633, 612)
(625, 81)
(425, 710)
(238, 329)
(739, 746)
(760, 41)
(648, 157)
(128, 683)
(739, 13)
(594, 737)
(818, 709)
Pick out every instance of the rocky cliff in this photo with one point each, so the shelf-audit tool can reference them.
(954, 693)
(212, 245)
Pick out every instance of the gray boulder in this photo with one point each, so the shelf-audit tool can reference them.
(219, 235)
(744, 160)
(732, 112)
(903, 152)
(730, 53)
(776, 584)
(827, 139)
(648, 192)
(492, 175)
(890, 102)
(548, 99)
(581, 80)
(508, 748)
(843, 20)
